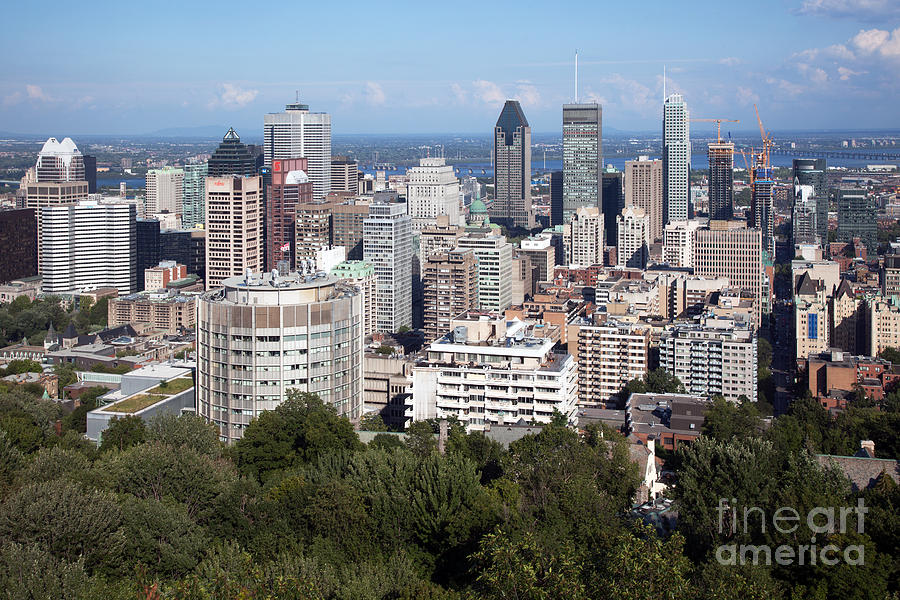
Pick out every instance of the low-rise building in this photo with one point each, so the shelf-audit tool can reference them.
(158, 277)
(667, 419)
(168, 312)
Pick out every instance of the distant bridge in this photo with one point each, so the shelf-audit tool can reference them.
(858, 154)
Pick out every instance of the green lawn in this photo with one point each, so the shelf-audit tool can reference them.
(135, 403)
(176, 386)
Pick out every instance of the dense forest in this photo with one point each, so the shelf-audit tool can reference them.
(299, 509)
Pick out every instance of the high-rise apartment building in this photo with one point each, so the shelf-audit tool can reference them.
(439, 238)
(234, 218)
(297, 132)
(890, 281)
(678, 243)
(633, 249)
(263, 336)
(804, 216)
(344, 175)
(347, 227)
(362, 275)
(884, 324)
(582, 157)
(613, 201)
(512, 168)
(232, 157)
(193, 195)
(289, 189)
(857, 218)
(609, 354)
(165, 190)
(451, 289)
(644, 189)
(312, 229)
(676, 159)
(18, 244)
(89, 245)
(712, 357)
(539, 249)
(721, 180)
(812, 333)
(387, 245)
(432, 190)
(494, 256)
(583, 237)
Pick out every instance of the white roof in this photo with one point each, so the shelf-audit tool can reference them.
(295, 177)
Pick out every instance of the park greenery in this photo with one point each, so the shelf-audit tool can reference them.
(299, 508)
(23, 319)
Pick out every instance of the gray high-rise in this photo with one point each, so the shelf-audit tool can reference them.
(721, 181)
(676, 159)
(582, 157)
(512, 168)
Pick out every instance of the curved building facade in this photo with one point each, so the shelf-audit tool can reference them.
(260, 337)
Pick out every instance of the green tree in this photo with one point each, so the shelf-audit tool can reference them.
(372, 422)
(23, 366)
(66, 374)
(891, 354)
(420, 438)
(185, 431)
(30, 571)
(295, 433)
(123, 432)
(725, 420)
(160, 535)
(77, 419)
(67, 520)
(386, 441)
(763, 353)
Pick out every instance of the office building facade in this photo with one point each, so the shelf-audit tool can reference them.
(232, 157)
(512, 168)
(234, 218)
(857, 218)
(432, 190)
(450, 289)
(387, 246)
(193, 195)
(297, 133)
(494, 256)
(633, 235)
(721, 180)
(584, 237)
(644, 189)
(18, 244)
(582, 132)
(165, 191)
(613, 201)
(290, 187)
(676, 159)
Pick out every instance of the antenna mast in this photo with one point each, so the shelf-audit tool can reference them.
(576, 76)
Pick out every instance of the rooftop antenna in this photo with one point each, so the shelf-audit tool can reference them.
(576, 75)
(298, 96)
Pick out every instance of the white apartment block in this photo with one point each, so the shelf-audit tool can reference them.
(432, 190)
(89, 245)
(387, 246)
(633, 232)
(584, 237)
(715, 357)
(678, 243)
(165, 191)
(487, 372)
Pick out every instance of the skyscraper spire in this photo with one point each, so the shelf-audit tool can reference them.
(576, 76)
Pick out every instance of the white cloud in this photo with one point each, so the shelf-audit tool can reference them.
(489, 92)
(872, 41)
(233, 96)
(855, 9)
(35, 92)
(374, 94)
(458, 93)
(730, 61)
(846, 74)
(527, 94)
(745, 96)
(788, 87)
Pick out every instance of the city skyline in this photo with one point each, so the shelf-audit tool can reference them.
(454, 75)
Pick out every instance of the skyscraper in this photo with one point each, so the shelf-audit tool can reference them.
(634, 238)
(18, 244)
(165, 190)
(613, 201)
(232, 157)
(148, 247)
(556, 198)
(193, 195)
(644, 189)
(721, 181)
(676, 159)
(234, 218)
(89, 245)
(344, 175)
(762, 207)
(814, 172)
(290, 188)
(494, 256)
(387, 245)
(512, 168)
(432, 190)
(296, 133)
(857, 217)
(90, 172)
(451, 288)
(582, 157)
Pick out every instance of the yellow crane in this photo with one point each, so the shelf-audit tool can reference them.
(768, 142)
(718, 123)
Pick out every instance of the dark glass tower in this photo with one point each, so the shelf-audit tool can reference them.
(90, 172)
(857, 218)
(232, 158)
(721, 181)
(512, 169)
(147, 248)
(613, 203)
(556, 198)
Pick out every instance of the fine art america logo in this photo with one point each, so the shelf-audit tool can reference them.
(819, 523)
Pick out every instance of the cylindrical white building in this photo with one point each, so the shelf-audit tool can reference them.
(261, 336)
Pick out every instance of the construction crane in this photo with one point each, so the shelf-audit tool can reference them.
(718, 123)
(768, 142)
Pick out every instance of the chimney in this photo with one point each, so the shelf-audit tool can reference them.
(868, 446)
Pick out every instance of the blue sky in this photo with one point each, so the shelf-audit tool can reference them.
(133, 67)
